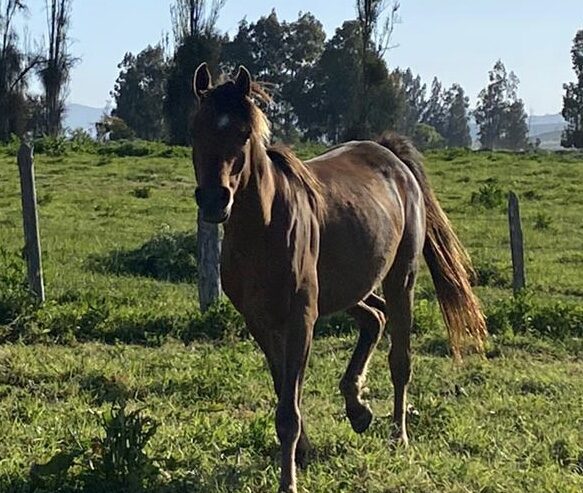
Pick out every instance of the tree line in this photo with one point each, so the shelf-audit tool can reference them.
(51, 63)
(326, 89)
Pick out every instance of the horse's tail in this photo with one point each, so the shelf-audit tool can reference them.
(447, 259)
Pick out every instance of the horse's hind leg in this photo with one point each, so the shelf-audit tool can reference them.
(398, 289)
(369, 314)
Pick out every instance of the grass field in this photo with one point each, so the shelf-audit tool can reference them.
(117, 241)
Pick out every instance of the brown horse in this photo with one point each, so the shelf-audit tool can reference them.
(306, 240)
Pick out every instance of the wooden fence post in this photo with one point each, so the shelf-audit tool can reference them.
(516, 243)
(32, 248)
(208, 255)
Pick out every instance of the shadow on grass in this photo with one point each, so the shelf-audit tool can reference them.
(168, 256)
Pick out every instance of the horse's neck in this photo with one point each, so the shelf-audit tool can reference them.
(254, 199)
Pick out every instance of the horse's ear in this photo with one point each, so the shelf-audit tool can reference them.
(243, 81)
(202, 80)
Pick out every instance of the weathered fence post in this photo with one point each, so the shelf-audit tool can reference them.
(32, 248)
(516, 243)
(209, 254)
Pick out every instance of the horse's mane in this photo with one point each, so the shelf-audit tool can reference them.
(298, 175)
(283, 159)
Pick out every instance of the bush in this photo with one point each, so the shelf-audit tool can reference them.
(221, 321)
(117, 128)
(520, 314)
(51, 146)
(427, 317)
(116, 462)
(426, 137)
(489, 195)
(542, 221)
(142, 192)
(125, 148)
(81, 141)
(169, 256)
(139, 148)
(12, 146)
(15, 298)
(490, 274)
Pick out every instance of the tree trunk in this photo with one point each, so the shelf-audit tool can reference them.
(208, 254)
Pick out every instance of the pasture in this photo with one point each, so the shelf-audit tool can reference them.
(121, 324)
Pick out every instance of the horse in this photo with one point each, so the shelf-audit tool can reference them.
(304, 240)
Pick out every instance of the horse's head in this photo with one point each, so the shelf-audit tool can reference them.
(223, 127)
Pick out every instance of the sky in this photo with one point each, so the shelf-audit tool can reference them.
(456, 40)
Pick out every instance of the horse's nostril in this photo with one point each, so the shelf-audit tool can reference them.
(212, 197)
(225, 194)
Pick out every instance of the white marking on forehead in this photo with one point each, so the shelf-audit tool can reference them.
(223, 121)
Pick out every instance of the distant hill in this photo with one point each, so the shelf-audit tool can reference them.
(547, 128)
(81, 116)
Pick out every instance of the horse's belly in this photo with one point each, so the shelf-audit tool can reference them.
(355, 256)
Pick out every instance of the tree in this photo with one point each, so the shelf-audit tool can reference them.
(333, 93)
(573, 98)
(139, 92)
(435, 113)
(376, 22)
(195, 41)
(500, 114)
(55, 68)
(194, 17)
(281, 55)
(515, 127)
(456, 131)
(113, 128)
(426, 137)
(15, 67)
(414, 102)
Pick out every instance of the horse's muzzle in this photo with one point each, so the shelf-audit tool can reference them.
(214, 203)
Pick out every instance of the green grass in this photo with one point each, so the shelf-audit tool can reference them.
(116, 234)
(512, 423)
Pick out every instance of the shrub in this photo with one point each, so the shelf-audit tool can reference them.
(122, 462)
(81, 141)
(15, 298)
(532, 195)
(12, 146)
(426, 137)
(489, 195)
(221, 321)
(125, 148)
(427, 317)
(51, 146)
(489, 273)
(542, 221)
(116, 462)
(520, 314)
(139, 148)
(169, 256)
(142, 192)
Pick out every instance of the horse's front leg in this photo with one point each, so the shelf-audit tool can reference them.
(297, 337)
(273, 347)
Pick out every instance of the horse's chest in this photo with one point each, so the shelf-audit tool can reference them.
(252, 275)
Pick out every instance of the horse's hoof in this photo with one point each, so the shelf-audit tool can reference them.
(361, 421)
(287, 489)
(398, 439)
(303, 457)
